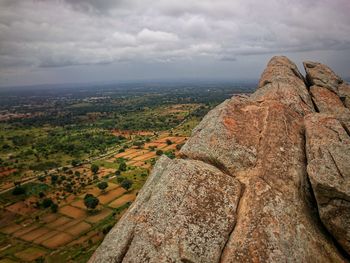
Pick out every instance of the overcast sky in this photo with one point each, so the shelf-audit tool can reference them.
(49, 41)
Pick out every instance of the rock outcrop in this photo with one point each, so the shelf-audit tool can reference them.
(263, 178)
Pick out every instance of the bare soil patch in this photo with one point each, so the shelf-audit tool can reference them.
(78, 228)
(72, 211)
(111, 195)
(78, 203)
(83, 238)
(58, 240)
(30, 253)
(71, 223)
(25, 230)
(94, 191)
(101, 215)
(49, 218)
(48, 235)
(30, 236)
(127, 152)
(21, 208)
(10, 228)
(145, 156)
(122, 200)
(59, 221)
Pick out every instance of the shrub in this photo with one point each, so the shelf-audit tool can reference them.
(54, 208)
(91, 201)
(159, 152)
(102, 186)
(126, 184)
(94, 168)
(19, 190)
(122, 166)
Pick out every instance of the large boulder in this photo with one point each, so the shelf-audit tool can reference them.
(327, 101)
(328, 152)
(188, 217)
(241, 191)
(321, 75)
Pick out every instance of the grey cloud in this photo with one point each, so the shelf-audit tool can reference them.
(59, 33)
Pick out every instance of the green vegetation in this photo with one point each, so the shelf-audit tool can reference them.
(102, 186)
(65, 147)
(126, 184)
(91, 201)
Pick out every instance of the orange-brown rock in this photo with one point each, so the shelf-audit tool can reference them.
(327, 101)
(321, 75)
(328, 151)
(241, 191)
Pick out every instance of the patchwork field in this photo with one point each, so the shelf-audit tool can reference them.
(38, 233)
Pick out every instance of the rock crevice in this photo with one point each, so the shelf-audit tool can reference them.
(260, 180)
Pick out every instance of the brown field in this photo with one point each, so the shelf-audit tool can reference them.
(127, 152)
(72, 211)
(10, 228)
(78, 228)
(94, 191)
(101, 215)
(59, 221)
(7, 217)
(48, 235)
(111, 186)
(30, 254)
(21, 208)
(49, 218)
(83, 238)
(68, 225)
(122, 200)
(30, 236)
(6, 171)
(66, 201)
(79, 203)
(132, 155)
(58, 240)
(145, 157)
(25, 230)
(111, 195)
(104, 172)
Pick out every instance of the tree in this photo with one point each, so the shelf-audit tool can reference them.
(54, 208)
(91, 201)
(75, 163)
(94, 168)
(122, 166)
(102, 186)
(54, 178)
(126, 184)
(159, 152)
(168, 142)
(47, 202)
(19, 190)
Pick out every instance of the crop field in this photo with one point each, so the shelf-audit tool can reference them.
(72, 164)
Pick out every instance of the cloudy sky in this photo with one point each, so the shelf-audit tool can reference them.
(72, 41)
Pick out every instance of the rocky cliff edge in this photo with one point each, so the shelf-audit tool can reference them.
(263, 178)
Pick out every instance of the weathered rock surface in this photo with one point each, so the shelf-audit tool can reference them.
(321, 75)
(327, 101)
(247, 189)
(328, 150)
(187, 218)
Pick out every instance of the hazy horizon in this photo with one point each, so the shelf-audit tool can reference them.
(112, 41)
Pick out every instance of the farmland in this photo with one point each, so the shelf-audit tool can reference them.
(63, 149)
